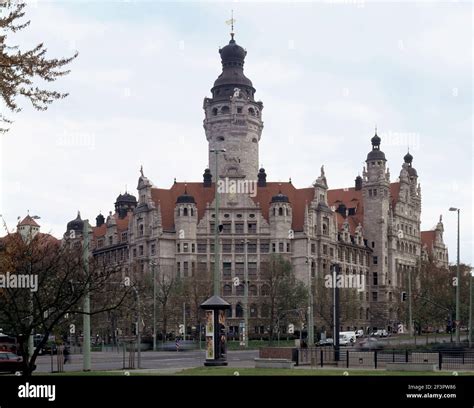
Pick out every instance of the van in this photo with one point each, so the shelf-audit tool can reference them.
(349, 335)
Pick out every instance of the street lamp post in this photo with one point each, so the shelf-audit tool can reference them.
(216, 229)
(246, 294)
(470, 306)
(310, 301)
(153, 265)
(87, 306)
(458, 281)
(139, 336)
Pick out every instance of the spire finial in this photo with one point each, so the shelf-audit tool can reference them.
(185, 188)
(231, 23)
(126, 189)
(375, 128)
(141, 170)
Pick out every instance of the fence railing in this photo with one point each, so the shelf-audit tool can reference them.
(349, 358)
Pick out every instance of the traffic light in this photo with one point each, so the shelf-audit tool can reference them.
(404, 296)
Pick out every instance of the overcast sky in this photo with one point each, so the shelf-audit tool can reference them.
(327, 73)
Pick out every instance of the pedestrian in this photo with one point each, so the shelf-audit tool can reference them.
(66, 355)
(177, 343)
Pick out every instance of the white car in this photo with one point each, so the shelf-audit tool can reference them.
(380, 333)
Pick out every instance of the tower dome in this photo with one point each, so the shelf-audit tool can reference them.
(185, 198)
(376, 153)
(280, 198)
(232, 76)
(77, 224)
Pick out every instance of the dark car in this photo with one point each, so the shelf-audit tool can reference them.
(10, 362)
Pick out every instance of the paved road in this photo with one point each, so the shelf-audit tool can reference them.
(164, 360)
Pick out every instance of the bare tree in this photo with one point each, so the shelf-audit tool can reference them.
(62, 283)
(20, 69)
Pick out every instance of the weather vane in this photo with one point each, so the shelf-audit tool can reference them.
(231, 23)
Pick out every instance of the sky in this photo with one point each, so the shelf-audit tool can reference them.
(327, 73)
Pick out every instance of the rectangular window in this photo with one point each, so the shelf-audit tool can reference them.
(375, 260)
(280, 247)
(287, 247)
(201, 247)
(227, 269)
(140, 250)
(239, 247)
(239, 269)
(124, 236)
(331, 252)
(252, 247)
(239, 227)
(375, 192)
(193, 248)
(178, 268)
(185, 267)
(185, 247)
(375, 279)
(100, 243)
(152, 249)
(264, 246)
(374, 296)
(178, 247)
(325, 249)
(273, 247)
(227, 246)
(313, 248)
(252, 269)
(226, 228)
(252, 228)
(212, 227)
(134, 252)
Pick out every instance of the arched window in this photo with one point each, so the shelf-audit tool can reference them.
(214, 111)
(140, 230)
(225, 110)
(239, 311)
(280, 211)
(227, 290)
(240, 290)
(192, 212)
(252, 111)
(265, 290)
(253, 310)
(185, 212)
(253, 290)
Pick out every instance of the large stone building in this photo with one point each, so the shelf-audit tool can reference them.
(371, 228)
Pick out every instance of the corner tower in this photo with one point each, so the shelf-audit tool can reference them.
(233, 119)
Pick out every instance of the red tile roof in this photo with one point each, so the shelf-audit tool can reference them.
(428, 238)
(122, 225)
(28, 221)
(298, 198)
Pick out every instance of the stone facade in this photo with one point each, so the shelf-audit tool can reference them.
(372, 229)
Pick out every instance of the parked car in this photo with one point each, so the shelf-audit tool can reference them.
(326, 342)
(10, 362)
(380, 333)
(359, 333)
